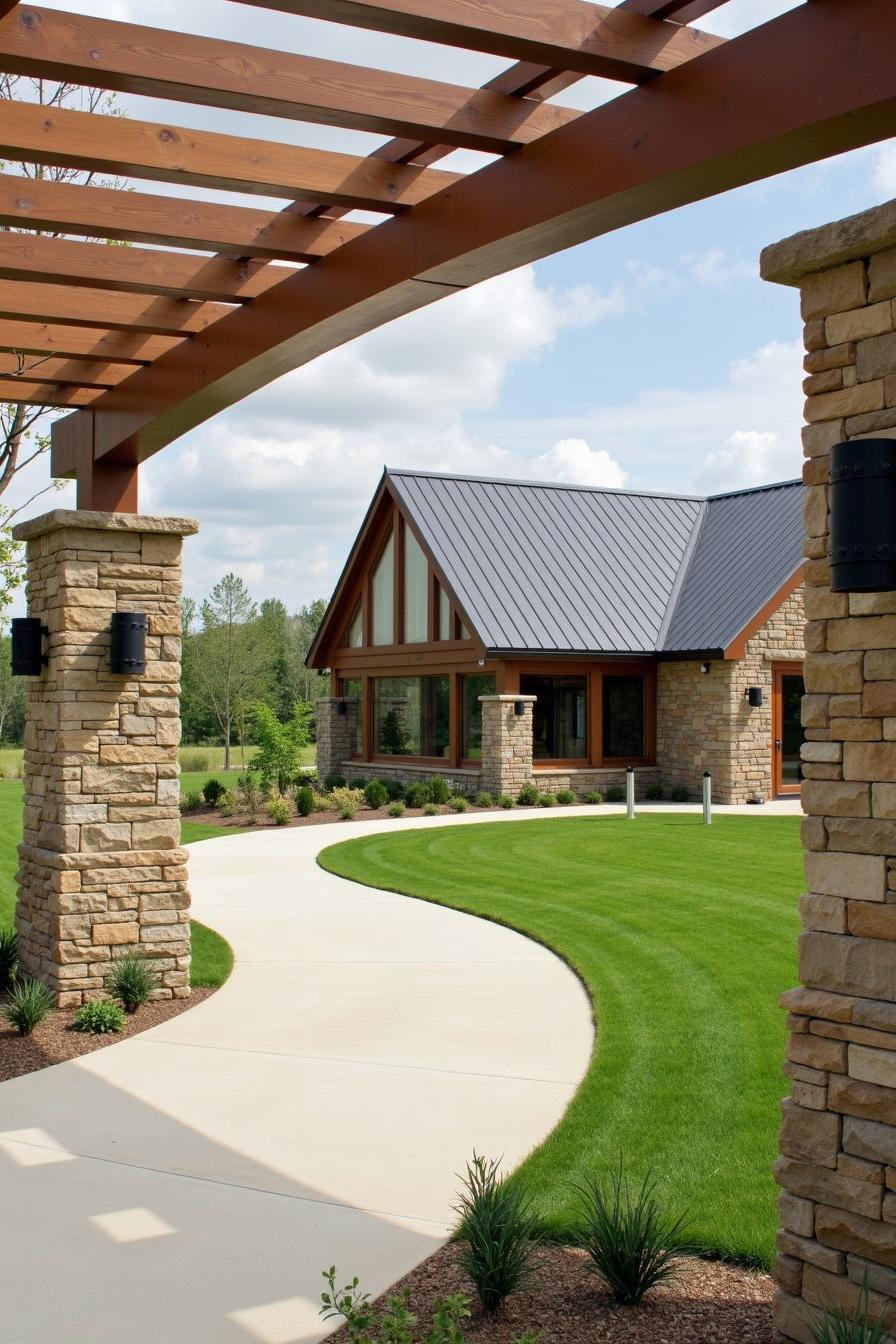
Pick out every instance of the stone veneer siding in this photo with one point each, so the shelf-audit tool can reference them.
(705, 723)
(837, 1167)
(101, 869)
(335, 734)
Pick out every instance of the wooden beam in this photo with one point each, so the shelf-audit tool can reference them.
(48, 369)
(82, 343)
(593, 39)
(814, 82)
(107, 309)
(168, 221)
(6, 7)
(132, 270)
(124, 147)
(185, 68)
(682, 11)
(19, 390)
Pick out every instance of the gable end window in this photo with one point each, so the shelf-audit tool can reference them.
(416, 585)
(382, 596)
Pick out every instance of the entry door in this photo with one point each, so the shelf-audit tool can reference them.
(787, 730)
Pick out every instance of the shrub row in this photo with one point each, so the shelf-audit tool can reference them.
(132, 981)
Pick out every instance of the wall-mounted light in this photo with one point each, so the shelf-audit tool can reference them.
(704, 667)
(753, 696)
(127, 646)
(863, 508)
(28, 656)
(519, 708)
(482, 662)
(342, 709)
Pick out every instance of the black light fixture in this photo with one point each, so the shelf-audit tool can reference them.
(28, 656)
(342, 709)
(519, 708)
(127, 647)
(863, 516)
(754, 696)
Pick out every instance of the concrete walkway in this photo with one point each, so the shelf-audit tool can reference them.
(187, 1186)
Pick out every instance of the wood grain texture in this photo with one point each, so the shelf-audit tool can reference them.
(107, 309)
(49, 369)
(84, 343)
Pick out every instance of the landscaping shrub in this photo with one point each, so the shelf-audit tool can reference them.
(248, 792)
(431, 810)
(212, 790)
(192, 801)
(29, 1002)
(335, 782)
(417, 795)
(397, 809)
(458, 803)
(227, 803)
(395, 790)
(279, 811)
(528, 796)
(347, 802)
(280, 745)
(679, 794)
(99, 1017)
(633, 1245)
(566, 797)
(499, 1231)
(439, 791)
(485, 799)
(393, 1322)
(835, 1327)
(653, 793)
(133, 980)
(358, 784)
(9, 957)
(616, 793)
(547, 800)
(505, 800)
(323, 802)
(376, 794)
(304, 801)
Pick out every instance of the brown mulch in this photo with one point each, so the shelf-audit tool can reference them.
(55, 1040)
(210, 816)
(709, 1303)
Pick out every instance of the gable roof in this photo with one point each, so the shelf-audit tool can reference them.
(569, 569)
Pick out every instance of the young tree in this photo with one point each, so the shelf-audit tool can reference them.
(12, 696)
(280, 745)
(228, 659)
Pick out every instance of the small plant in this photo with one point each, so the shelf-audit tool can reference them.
(547, 800)
(528, 796)
(280, 745)
(679, 794)
(499, 1228)
(192, 801)
(458, 803)
(9, 957)
(595, 796)
(335, 782)
(485, 799)
(566, 797)
(653, 793)
(616, 793)
(358, 784)
(393, 1322)
(835, 1327)
(99, 1017)
(439, 792)
(376, 795)
(395, 790)
(448, 1317)
(417, 795)
(633, 1245)
(248, 794)
(212, 790)
(132, 981)
(29, 1002)
(398, 809)
(304, 801)
(505, 800)
(431, 810)
(323, 802)
(279, 811)
(194, 761)
(347, 802)
(227, 804)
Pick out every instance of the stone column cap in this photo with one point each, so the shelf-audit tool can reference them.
(508, 699)
(861, 235)
(58, 519)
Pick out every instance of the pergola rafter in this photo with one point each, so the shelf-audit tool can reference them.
(150, 342)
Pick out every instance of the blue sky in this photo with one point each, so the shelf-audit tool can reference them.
(654, 357)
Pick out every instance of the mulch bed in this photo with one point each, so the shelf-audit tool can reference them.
(55, 1040)
(210, 816)
(709, 1303)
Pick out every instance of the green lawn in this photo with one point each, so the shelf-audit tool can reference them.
(197, 763)
(684, 935)
(212, 955)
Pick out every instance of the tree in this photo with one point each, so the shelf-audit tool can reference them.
(228, 658)
(12, 696)
(280, 745)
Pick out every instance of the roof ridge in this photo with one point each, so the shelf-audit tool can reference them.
(678, 585)
(755, 489)
(542, 485)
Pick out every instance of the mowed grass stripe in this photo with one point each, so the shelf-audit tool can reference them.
(684, 936)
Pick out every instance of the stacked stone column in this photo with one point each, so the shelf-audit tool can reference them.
(838, 1141)
(506, 742)
(101, 870)
(336, 723)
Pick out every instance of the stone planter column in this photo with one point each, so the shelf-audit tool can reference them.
(336, 734)
(838, 1141)
(506, 742)
(101, 869)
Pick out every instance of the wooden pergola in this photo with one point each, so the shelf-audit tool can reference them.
(145, 343)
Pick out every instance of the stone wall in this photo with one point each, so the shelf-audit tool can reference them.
(101, 868)
(506, 742)
(336, 734)
(838, 1141)
(705, 723)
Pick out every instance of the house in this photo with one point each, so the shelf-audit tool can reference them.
(496, 631)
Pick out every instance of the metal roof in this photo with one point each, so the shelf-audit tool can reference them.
(543, 567)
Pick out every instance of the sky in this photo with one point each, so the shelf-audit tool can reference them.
(653, 358)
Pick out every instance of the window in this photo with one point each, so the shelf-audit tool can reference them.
(411, 716)
(471, 724)
(416, 582)
(444, 628)
(352, 695)
(624, 718)
(559, 717)
(354, 635)
(383, 596)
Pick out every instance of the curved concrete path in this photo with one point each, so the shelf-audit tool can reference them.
(188, 1185)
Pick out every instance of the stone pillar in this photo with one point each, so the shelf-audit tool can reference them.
(101, 869)
(506, 742)
(838, 1141)
(336, 734)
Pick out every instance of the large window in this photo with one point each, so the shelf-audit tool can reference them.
(416, 584)
(471, 724)
(444, 623)
(560, 719)
(411, 716)
(624, 718)
(354, 635)
(352, 695)
(383, 596)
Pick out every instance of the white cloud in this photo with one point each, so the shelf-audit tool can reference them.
(575, 462)
(884, 169)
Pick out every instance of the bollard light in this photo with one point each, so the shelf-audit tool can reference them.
(707, 798)
(863, 509)
(127, 647)
(28, 656)
(630, 792)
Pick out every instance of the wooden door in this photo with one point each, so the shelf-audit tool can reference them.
(787, 730)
